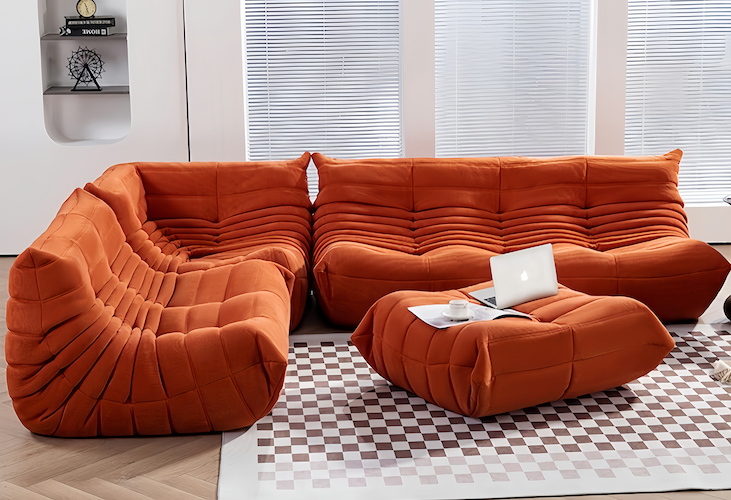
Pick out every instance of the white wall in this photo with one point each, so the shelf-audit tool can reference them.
(38, 174)
(611, 72)
(418, 86)
(215, 80)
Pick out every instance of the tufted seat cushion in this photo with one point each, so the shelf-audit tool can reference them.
(616, 224)
(576, 345)
(107, 338)
(208, 214)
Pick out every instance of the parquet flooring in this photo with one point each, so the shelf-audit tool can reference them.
(160, 468)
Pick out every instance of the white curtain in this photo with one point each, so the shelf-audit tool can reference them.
(323, 76)
(679, 90)
(512, 77)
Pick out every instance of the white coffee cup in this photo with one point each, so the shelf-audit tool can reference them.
(458, 309)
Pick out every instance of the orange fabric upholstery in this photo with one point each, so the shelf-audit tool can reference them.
(616, 224)
(214, 214)
(577, 345)
(107, 338)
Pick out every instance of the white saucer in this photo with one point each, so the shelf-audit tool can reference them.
(458, 318)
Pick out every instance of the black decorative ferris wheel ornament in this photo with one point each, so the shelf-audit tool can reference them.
(85, 66)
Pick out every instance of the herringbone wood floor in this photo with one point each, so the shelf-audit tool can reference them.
(160, 468)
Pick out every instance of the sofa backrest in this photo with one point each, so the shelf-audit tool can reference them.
(217, 191)
(472, 183)
(202, 202)
(121, 187)
(510, 202)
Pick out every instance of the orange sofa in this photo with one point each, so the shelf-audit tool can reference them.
(106, 338)
(576, 345)
(215, 214)
(160, 300)
(616, 224)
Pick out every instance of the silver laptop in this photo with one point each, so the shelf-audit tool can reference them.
(520, 277)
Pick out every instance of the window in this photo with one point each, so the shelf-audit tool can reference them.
(323, 76)
(512, 77)
(679, 90)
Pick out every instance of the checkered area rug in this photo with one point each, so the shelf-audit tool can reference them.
(340, 430)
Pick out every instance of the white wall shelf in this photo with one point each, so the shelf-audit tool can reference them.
(108, 116)
(51, 37)
(111, 89)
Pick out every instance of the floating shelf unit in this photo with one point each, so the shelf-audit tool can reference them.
(84, 116)
(111, 89)
(57, 38)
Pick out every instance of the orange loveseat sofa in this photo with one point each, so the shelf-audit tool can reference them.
(616, 224)
(162, 302)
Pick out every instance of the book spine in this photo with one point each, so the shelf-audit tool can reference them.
(88, 31)
(93, 21)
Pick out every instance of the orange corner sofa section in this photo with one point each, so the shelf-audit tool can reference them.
(160, 300)
(576, 345)
(617, 227)
(215, 214)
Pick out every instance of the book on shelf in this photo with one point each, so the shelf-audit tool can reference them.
(102, 21)
(83, 31)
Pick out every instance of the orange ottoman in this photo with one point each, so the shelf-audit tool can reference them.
(576, 345)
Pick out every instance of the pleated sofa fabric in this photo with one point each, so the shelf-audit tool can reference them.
(106, 338)
(616, 224)
(576, 345)
(216, 214)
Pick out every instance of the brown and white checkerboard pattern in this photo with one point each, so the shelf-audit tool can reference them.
(339, 426)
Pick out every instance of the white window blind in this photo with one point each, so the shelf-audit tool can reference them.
(679, 90)
(512, 77)
(322, 76)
